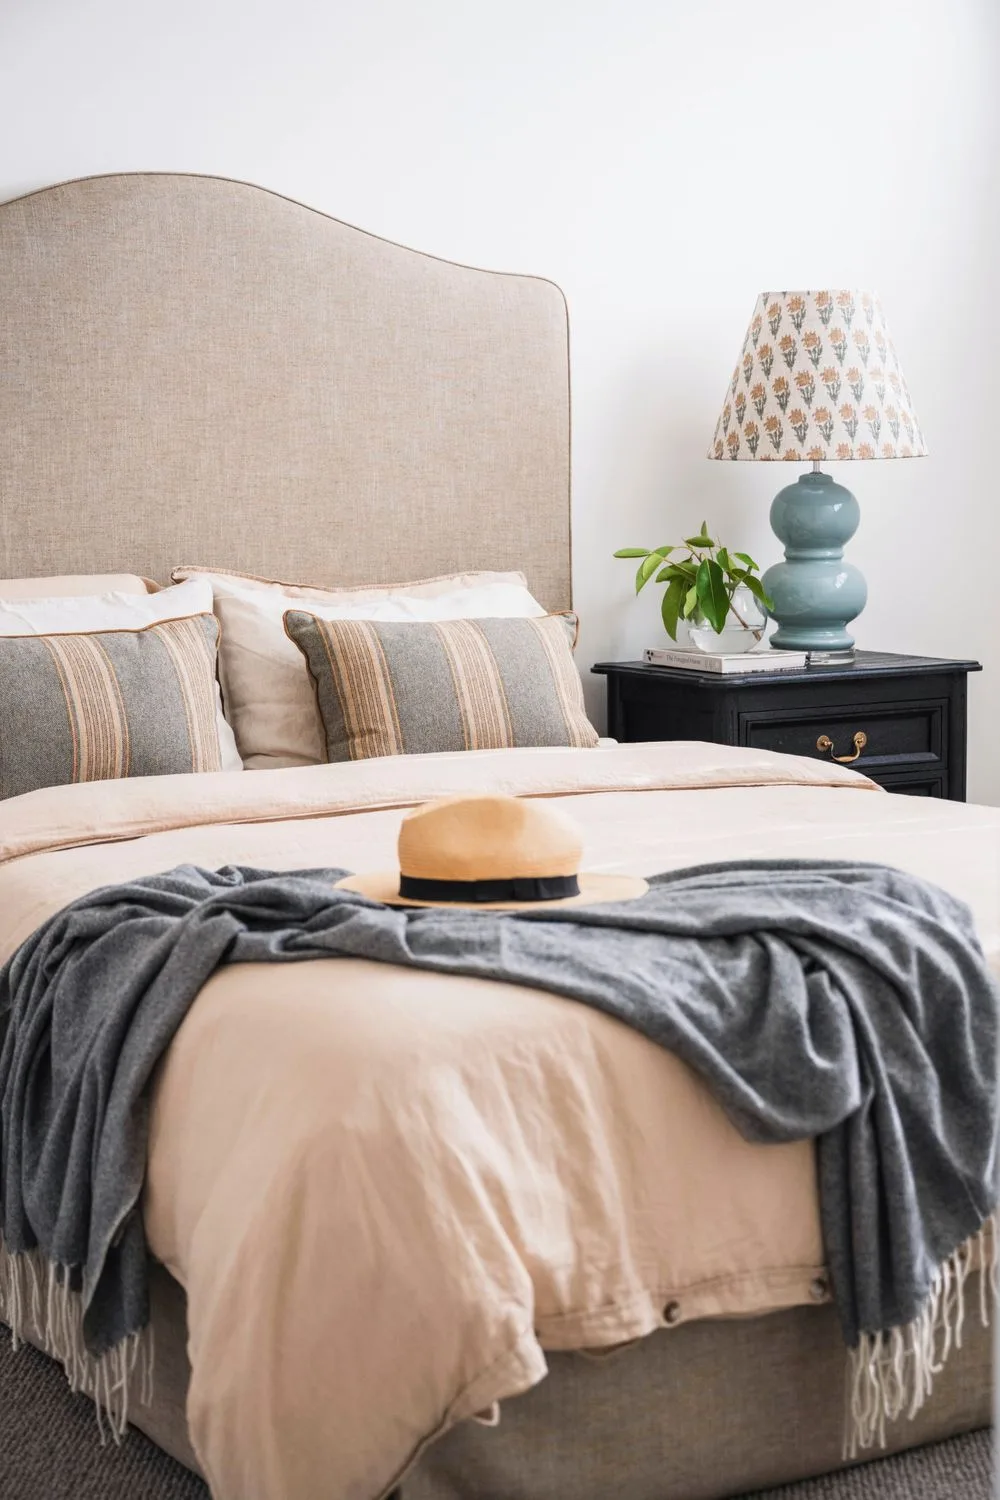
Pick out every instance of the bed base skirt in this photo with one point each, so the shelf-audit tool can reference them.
(708, 1410)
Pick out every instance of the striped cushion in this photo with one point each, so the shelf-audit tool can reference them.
(410, 689)
(108, 704)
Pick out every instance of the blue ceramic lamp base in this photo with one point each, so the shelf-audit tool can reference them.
(815, 593)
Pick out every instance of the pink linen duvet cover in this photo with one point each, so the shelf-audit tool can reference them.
(388, 1192)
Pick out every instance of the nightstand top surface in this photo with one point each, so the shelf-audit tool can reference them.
(865, 664)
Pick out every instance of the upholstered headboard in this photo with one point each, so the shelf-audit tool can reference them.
(195, 370)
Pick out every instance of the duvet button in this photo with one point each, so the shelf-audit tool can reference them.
(672, 1312)
(818, 1289)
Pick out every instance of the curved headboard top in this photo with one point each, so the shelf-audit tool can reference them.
(196, 370)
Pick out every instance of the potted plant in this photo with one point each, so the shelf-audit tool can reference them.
(717, 592)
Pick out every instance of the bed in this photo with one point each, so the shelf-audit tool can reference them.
(199, 371)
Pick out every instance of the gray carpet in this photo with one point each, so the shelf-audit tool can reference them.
(49, 1451)
(960, 1469)
(49, 1448)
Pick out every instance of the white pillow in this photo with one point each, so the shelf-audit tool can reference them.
(269, 695)
(83, 614)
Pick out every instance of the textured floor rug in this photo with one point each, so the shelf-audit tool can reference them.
(960, 1469)
(49, 1451)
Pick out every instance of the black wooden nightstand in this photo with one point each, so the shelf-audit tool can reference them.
(900, 719)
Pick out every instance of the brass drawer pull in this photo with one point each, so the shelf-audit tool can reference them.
(860, 741)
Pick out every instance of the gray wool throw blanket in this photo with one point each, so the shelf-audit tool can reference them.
(850, 1003)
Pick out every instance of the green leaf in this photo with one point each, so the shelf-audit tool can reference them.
(757, 589)
(712, 595)
(746, 558)
(722, 558)
(632, 552)
(690, 602)
(675, 570)
(670, 606)
(700, 542)
(647, 568)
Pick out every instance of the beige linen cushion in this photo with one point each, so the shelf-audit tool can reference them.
(84, 614)
(406, 688)
(73, 584)
(266, 687)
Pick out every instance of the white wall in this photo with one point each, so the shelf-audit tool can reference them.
(663, 160)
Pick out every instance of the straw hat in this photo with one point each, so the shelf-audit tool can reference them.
(491, 853)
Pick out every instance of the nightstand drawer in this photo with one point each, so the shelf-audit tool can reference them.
(903, 735)
(913, 783)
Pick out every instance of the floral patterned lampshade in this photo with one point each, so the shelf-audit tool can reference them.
(818, 378)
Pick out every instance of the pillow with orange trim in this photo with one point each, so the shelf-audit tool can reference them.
(387, 688)
(31, 614)
(101, 705)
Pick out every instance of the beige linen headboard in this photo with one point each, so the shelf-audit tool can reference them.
(196, 370)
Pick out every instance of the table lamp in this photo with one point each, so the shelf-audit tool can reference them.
(818, 379)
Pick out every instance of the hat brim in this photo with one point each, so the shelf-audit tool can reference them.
(383, 885)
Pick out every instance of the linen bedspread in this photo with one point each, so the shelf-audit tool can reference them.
(388, 1191)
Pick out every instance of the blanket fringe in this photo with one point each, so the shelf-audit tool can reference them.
(36, 1298)
(893, 1371)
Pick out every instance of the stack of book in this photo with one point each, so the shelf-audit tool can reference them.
(767, 660)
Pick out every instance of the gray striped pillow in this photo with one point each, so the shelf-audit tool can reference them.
(109, 704)
(414, 688)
